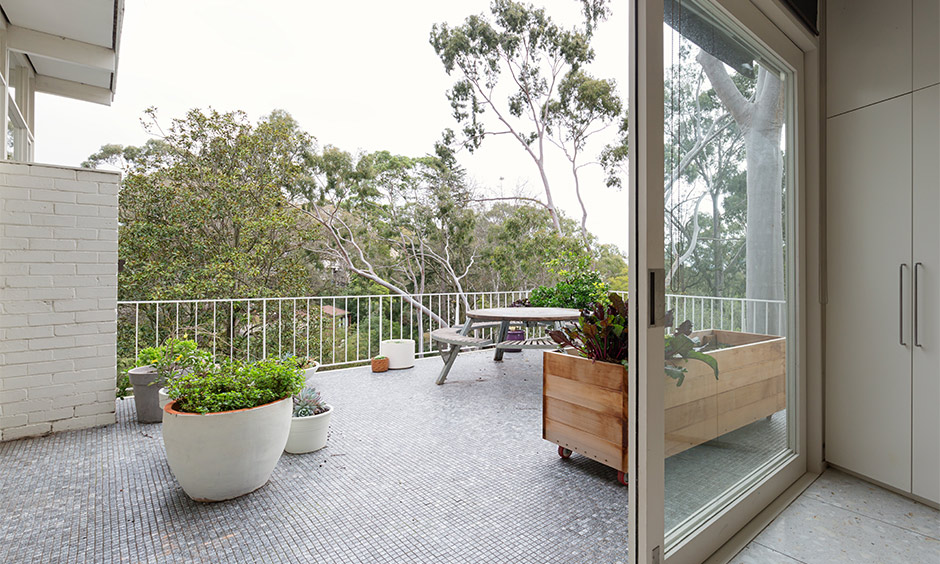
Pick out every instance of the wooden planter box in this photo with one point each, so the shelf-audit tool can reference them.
(584, 403)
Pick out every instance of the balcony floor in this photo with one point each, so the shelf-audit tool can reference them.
(412, 472)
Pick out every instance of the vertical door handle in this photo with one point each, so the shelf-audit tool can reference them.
(917, 265)
(901, 304)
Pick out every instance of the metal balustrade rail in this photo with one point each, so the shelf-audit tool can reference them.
(346, 330)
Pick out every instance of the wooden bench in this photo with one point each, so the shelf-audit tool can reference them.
(454, 337)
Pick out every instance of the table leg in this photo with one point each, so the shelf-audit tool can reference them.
(503, 331)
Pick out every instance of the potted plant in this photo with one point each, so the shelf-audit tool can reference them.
(155, 367)
(309, 424)
(380, 363)
(584, 390)
(227, 426)
(306, 363)
(578, 286)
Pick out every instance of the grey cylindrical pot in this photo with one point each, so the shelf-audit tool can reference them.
(147, 384)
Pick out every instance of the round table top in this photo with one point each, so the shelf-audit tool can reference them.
(524, 314)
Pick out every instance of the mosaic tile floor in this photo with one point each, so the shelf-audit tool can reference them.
(413, 472)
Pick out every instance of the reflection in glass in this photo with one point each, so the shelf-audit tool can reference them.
(725, 193)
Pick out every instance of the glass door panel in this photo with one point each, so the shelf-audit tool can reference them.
(728, 159)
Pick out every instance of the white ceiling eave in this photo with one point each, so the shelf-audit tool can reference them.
(72, 45)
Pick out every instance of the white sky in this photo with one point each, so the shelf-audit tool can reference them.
(358, 74)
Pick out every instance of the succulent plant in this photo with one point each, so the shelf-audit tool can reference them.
(308, 402)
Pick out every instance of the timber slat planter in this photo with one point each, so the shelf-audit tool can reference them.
(584, 403)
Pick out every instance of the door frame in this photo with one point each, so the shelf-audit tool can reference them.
(779, 32)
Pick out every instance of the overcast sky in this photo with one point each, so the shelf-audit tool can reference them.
(358, 74)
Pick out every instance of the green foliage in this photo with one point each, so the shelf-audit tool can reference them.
(301, 362)
(601, 333)
(179, 355)
(578, 287)
(308, 402)
(681, 346)
(205, 216)
(123, 381)
(150, 355)
(235, 385)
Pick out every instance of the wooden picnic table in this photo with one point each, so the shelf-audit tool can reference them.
(501, 317)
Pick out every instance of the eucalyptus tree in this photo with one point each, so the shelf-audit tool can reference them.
(761, 118)
(510, 69)
(585, 107)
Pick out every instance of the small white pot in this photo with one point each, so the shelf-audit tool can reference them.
(309, 372)
(308, 434)
(164, 399)
(219, 456)
(400, 353)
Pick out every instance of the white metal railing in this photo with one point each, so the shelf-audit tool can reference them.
(347, 330)
(336, 330)
(730, 314)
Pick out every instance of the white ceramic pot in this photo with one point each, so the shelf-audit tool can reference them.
(400, 353)
(219, 456)
(164, 399)
(309, 372)
(308, 434)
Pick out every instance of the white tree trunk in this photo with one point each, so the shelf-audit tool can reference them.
(761, 122)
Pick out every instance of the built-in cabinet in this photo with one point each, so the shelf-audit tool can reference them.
(883, 243)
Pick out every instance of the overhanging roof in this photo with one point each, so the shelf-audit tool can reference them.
(72, 45)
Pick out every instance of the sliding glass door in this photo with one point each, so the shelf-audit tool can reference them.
(719, 418)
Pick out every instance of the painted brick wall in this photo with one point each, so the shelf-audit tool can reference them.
(58, 298)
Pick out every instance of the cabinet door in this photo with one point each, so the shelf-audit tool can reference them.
(868, 371)
(926, 382)
(926, 44)
(869, 52)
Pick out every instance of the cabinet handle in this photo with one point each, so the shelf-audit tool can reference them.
(916, 306)
(901, 303)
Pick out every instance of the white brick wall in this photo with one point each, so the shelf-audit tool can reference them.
(58, 286)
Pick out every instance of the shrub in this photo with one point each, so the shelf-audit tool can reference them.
(235, 385)
(578, 287)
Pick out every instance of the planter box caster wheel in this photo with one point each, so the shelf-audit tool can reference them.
(622, 478)
(564, 452)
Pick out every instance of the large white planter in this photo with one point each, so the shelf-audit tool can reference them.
(219, 456)
(308, 434)
(400, 353)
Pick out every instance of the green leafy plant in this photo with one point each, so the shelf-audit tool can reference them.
(681, 346)
(308, 402)
(178, 356)
(380, 357)
(233, 385)
(578, 285)
(602, 334)
(302, 362)
(150, 355)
